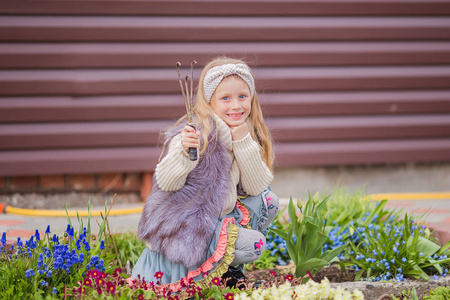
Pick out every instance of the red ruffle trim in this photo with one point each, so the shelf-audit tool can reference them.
(245, 214)
(208, 264)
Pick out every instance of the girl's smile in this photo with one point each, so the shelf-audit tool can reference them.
(231, 101)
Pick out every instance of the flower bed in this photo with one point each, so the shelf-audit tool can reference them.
(366, 242)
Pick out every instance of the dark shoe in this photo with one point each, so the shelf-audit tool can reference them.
(234, 275)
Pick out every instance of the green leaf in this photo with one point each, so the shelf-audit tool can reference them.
(414, 294)
(316, 239)
(312, 265)
(331, 254)
(426, 246)
(422, 274)
(281, 233)
(293, 216)
(67, 214)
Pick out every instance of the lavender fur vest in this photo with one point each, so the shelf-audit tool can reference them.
(180, 224)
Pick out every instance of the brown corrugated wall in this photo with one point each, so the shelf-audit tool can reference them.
(86, 86)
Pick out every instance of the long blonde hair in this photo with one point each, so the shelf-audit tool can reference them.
(205, 114)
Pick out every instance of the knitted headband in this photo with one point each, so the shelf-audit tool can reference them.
(215, 75)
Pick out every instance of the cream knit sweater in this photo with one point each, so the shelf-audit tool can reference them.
(246, 166)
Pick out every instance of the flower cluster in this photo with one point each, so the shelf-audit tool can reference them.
(51, 261)
(390, 252)
(101, 282)
(277, 248)
(309, 291)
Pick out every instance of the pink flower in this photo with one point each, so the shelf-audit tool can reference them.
(131, 281)
(94, 273)
(205, 274)
(289, 277)
(87, 282)
(99, 281)
(216, 280)
(158, 274)
(111, 287)
(117, 271)
(273, 273)
(309, 273)
(229, 296)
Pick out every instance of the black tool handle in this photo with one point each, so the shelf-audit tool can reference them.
(193, 151)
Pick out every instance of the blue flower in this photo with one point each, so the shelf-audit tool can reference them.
(54, 291)
(47, 231)
(435, 277)
(49, 273)
(102, 245)
(3, 240)
(69, 230)
(37, 235)
(404, 259)
(44, 283)
(29, 273)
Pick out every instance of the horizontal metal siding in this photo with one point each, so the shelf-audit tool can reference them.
(86, 88)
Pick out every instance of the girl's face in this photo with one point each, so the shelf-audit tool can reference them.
(231, 101)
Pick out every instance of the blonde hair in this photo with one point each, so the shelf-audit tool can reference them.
(205, 114)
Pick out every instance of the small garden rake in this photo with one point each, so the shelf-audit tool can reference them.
(188, 101)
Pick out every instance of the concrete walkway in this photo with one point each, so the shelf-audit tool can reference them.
(435, 208)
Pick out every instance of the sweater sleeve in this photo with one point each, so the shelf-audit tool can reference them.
(173, 169)
(255, 175)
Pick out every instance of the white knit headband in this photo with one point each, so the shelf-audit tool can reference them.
(215, 75)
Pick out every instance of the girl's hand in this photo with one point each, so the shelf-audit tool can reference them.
(189, 138)
(239, 132)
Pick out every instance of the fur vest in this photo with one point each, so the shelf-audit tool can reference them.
(180, 224)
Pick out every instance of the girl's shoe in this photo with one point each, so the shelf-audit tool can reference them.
(234, 275)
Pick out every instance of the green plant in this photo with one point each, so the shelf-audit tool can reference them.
(43, 266)
(440, 293)
(354, 210)
(406, 294)
(306, 236)
(390, 252)
(265, 261)
(129, 248)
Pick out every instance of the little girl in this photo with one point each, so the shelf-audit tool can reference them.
(206, 218)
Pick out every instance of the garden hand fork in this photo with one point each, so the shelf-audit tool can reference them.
(188, 101)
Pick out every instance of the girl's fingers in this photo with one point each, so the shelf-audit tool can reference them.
(189, 138)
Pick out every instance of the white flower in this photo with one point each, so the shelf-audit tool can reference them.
(358, 295)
